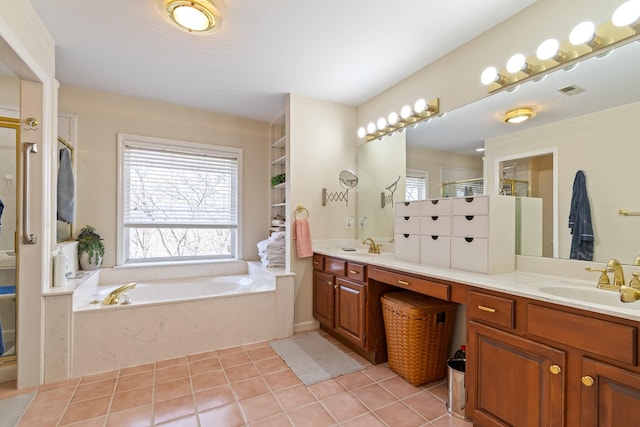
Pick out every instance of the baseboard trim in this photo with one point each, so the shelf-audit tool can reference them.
(306, 326)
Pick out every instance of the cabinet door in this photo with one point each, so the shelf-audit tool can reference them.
(350, 311)
(512, 381)
(323, 298)
(610, 396)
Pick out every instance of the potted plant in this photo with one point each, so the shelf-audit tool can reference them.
(90, 248)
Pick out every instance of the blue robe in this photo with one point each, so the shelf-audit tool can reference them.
(580, 220)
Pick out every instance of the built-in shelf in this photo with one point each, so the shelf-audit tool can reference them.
(277, 186)
(279, 143)
(279, 161)
(278, 205)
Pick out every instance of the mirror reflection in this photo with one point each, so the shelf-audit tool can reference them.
(587, 114)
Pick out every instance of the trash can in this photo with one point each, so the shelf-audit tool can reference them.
(419, 330)
(457, 394)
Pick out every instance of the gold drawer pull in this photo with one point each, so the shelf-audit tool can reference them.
(587, 380)
(487, 309)
(402, 282)
(555, 369)
(329, 282)
(316, 262)
(353, 272)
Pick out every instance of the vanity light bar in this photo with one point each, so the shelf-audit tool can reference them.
(585, 40)
(421, 111)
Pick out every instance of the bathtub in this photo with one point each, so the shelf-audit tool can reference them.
(176, 316)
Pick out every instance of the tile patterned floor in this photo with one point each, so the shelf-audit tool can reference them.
(241, 386)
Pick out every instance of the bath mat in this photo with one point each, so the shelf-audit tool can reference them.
(313, 358)
(13, 408)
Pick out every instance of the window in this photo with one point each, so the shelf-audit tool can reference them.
(177, 200)
(416, 185)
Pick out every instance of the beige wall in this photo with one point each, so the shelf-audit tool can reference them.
(434, 160)
(321, 139)
(101, 116)
(611, 170)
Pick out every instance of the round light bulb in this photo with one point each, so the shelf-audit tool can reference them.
(191, 18)
(362, 132)
(371, 127)
(382, 123)
(626, 14)
(393, 118)
(405, 112)
(516, 63)
(420, 105)
(548, 49)
(582, 33)
(489, 75)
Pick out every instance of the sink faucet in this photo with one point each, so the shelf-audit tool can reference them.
(373, 248)
(113, 297)
(618, 275)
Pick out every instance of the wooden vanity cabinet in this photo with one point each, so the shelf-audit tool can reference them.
(345, 306)
(531, 363)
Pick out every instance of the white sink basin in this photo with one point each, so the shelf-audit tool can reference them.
(597, 296)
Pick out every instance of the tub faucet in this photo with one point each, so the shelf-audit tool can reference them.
(114, 295)
(618, 275)
(373, 248)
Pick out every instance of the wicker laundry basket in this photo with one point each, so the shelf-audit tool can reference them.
(419, 330)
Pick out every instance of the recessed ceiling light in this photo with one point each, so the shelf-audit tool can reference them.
(194, 16)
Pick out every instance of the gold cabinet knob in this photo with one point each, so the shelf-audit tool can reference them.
(587, 380)
(555, 369)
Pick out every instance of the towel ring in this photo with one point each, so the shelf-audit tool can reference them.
(300, 208)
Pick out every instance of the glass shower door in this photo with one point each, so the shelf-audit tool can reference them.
(9, 129)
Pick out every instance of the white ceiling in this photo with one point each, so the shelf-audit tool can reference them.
(335, 50)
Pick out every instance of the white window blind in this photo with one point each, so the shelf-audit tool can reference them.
(416, 185)
(177, 200)
(172, 188)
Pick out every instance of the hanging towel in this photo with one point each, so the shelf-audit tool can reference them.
(303, 238)
(66, 194)
(580, 220)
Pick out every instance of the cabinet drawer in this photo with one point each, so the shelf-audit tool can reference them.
(318, 262)
(357, 271)
(335, 266)
(470, 254)
(492, 309)
(435, 207)
(600, 337)
(416, 284)
(478, 205)
(407, 208)
(407, 224)
(470, 226)
(408, 247)
(435, 250)
(435, 225)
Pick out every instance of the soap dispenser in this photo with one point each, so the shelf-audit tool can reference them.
(60, 268)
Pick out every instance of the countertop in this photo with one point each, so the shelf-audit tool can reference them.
(535, 286)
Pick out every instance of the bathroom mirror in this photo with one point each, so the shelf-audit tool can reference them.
(392, 184)
(611, 142)
(65, 191)
(348, 179)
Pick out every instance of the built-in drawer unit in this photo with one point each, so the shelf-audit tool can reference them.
(335, 266)
(407, 208)
(435, 250)
(470, 253)
(470, 205)
(412, 283)
(614, 340)
(407, 224)
(435, 207)
(318, 262)
(356, 271)
(491, 309)
(470, 226)
(435, 225)
(408, 247)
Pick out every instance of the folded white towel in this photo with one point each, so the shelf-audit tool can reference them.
(278, 235)
(270, 244)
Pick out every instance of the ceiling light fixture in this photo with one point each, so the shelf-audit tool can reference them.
(518, 115)
(585, 41)
(422, 111)
(194, 16)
